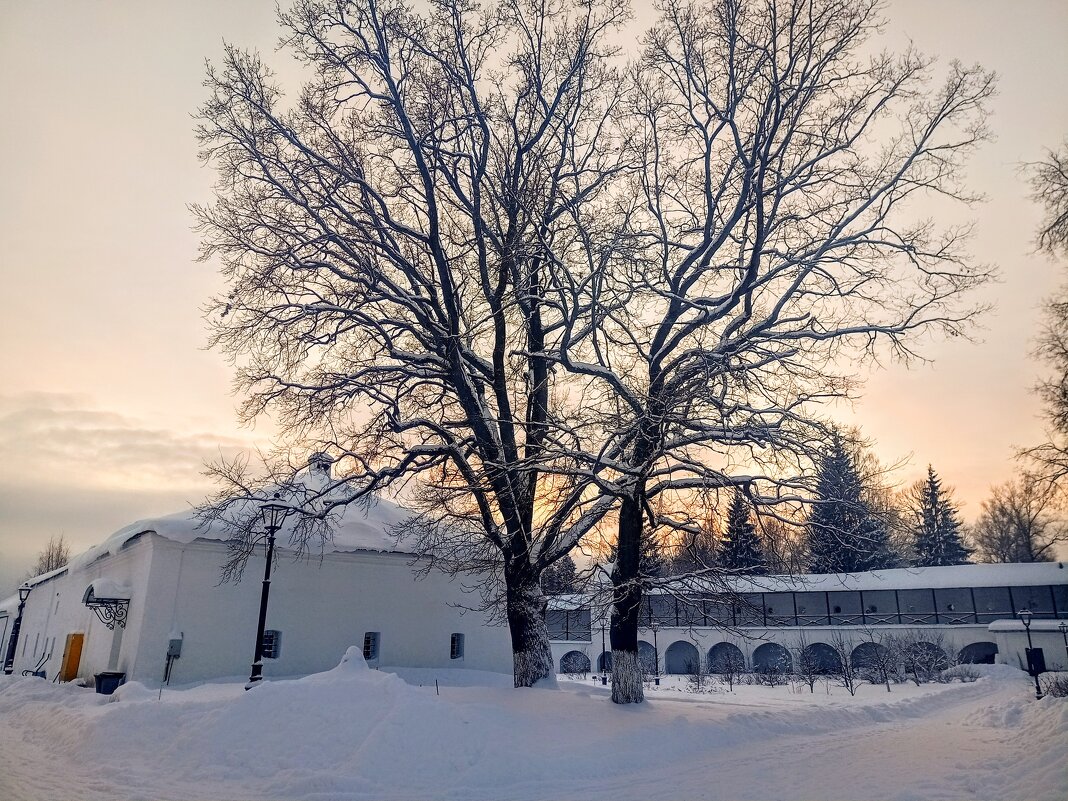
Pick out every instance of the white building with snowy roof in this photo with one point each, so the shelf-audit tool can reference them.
(148, 603)
(153, 588)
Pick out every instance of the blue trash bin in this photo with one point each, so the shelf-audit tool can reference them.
(109, 681)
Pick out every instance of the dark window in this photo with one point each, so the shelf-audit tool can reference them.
(691, 612)
(568, 625)
(371, 641)
(751, 611)
(992, 603)
(578, 624)
(272, 644)
(718, 614)
(917, 606)
(955, 606)
(811, 608)
(456, 646)
(779, 609)
(1037, 599)
(847, 609)
(1060, 597)
(663, 610)
(556, 621)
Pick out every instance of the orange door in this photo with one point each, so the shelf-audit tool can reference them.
(72, 656)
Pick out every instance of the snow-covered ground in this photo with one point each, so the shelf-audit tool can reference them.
(352, 733)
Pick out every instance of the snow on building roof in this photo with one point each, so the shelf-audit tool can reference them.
(906, 578)
(354, 529)
(1017, 625)
(106, 589)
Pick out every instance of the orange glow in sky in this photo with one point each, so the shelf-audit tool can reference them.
(110, 405)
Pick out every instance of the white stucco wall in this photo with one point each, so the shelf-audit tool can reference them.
(54, 609)
(321, 608)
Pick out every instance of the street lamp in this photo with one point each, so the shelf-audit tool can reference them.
(656, 651)
(273, 515)
(1063, 629)
(604, 675)
(9, 661)
(1025, 616)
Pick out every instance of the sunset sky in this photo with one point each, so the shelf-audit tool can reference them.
(109, 404)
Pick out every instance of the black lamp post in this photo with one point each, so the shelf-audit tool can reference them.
(604, 674)
(656, 651)
(9, 660)
(1025, 616)
(1063, 629)
(273, 515)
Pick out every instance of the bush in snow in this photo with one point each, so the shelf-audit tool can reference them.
(1055, 684)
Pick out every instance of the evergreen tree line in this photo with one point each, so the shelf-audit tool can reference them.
(851, 527)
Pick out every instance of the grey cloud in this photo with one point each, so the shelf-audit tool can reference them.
(67, 467)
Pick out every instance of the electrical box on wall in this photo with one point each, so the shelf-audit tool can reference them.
(174, 647)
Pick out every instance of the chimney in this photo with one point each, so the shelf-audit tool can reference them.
(320, 464)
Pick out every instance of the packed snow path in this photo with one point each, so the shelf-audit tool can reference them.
(354, 734)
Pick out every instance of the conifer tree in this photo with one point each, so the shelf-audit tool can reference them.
(741, 551)
(844, 535)
(937, 528)
(559, 577)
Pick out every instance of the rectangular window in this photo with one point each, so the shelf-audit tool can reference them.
(556, 621)
(917, 606)
(370, 645)
(845, 608)
(992, 603)
(1037, 599)
(955, 605)
(811, 608)
(578, 624)
(272, 644)
(456, 646)
(779, 608)
(1060, 599)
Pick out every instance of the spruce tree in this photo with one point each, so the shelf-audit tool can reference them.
(741, 551)
(938, 527)
(844, 535)
(559, 577)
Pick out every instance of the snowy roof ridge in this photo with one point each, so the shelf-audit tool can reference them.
(903, 578)
(357, 527)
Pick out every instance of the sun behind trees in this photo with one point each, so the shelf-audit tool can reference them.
(491, 265)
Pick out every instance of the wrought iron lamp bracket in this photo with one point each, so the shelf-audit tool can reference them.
(111, 611)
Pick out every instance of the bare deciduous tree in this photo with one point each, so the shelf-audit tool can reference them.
(1049, 183)
(55, 554)
(774, 249)
(1019, 523)
(1049, 180)
(394, 243)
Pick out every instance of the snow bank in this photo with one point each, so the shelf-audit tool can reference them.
(354, 733)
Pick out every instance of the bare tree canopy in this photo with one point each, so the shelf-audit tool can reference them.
(54, 556)
(482, 259)
(1049, 185)
(401, 246)
(1049, 181)
(1019, 523)
(775, 250)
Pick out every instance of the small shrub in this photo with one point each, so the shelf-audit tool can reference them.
(965, 673)
(1056, 684)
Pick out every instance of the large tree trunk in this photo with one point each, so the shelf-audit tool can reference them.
(626, 603)
(532, 656)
